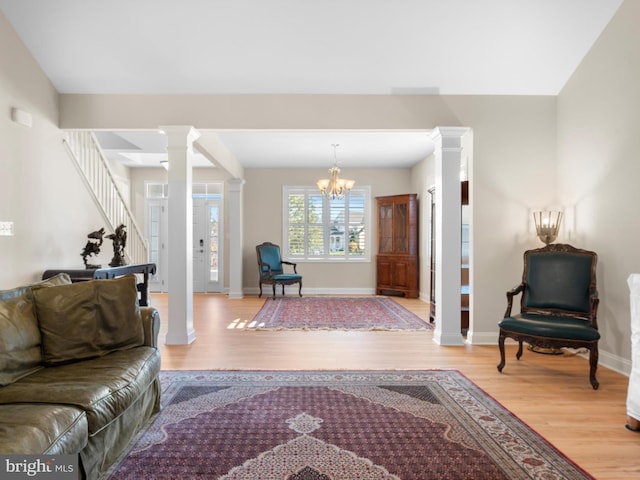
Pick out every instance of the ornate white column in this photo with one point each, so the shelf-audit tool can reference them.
(235, 237)
(180, 140)
(448, 158)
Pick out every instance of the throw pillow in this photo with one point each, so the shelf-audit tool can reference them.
(88, 319)
(19, 334)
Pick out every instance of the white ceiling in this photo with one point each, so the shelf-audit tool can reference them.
(287, 149)
(465, 47)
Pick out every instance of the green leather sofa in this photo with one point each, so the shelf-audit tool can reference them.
(79, 369)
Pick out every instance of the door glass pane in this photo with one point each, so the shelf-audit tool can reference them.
(213, 242)
(154, 237)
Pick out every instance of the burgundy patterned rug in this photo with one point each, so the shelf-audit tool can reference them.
(400, 425)
(335, 313)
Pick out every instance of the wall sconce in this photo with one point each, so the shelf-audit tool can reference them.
(547, 225)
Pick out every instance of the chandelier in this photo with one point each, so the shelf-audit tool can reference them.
(335, 187)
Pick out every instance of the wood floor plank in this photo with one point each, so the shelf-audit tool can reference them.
(550, 393)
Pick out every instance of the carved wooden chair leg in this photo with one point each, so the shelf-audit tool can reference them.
(519, 354)
(283, 289)
(274, 291)
(260, 294)
(299, 289)
(501, 347)
(593, 364)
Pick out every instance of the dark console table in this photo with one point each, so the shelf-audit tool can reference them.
(82, 275)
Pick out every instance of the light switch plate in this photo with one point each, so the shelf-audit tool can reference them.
(6, 229)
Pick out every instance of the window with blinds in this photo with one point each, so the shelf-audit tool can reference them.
(318, 228)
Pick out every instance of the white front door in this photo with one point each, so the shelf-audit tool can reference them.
(207, 247)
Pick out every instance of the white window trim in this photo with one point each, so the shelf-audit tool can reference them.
(366, 258)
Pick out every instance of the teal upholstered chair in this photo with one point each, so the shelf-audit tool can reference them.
(271, 268)
(559, 303)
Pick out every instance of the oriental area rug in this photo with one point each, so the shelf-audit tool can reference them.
(336, 425)
(335, 313)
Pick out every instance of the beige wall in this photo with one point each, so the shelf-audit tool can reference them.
(599, 169)
(263, 222)
(255, 111)
(40, 190)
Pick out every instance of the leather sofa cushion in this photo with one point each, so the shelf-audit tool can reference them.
(103, 387)
(19, 334)
(550, 326)
(88, 319)
(33, 429)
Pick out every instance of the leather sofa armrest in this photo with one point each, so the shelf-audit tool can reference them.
(510, 294)
(151, 325)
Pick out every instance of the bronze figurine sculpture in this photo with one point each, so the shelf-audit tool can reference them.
(119, 238)
(92, 248)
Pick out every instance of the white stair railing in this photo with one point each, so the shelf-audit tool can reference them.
(94, 170)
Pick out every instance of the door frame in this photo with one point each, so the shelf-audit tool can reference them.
(159, 281)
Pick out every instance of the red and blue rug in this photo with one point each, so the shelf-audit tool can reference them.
(335, 313)
(391, 425)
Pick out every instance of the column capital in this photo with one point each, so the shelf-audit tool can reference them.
(235, 184)
(448, 137)
(180, 135)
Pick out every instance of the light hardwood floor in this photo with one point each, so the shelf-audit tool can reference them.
(551, 394)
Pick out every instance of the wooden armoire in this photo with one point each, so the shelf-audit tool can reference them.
(397, 259)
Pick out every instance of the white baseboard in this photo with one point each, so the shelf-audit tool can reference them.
(614, 362)
(482, 338)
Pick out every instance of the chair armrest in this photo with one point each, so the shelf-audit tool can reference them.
(151, 325)
(510, 294)
(292, 264)
(594, 302)
(268, 267)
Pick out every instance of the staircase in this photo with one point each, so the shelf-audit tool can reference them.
(94, 170)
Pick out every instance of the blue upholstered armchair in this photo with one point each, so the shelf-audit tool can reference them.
(559, 303)
(271, 270)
